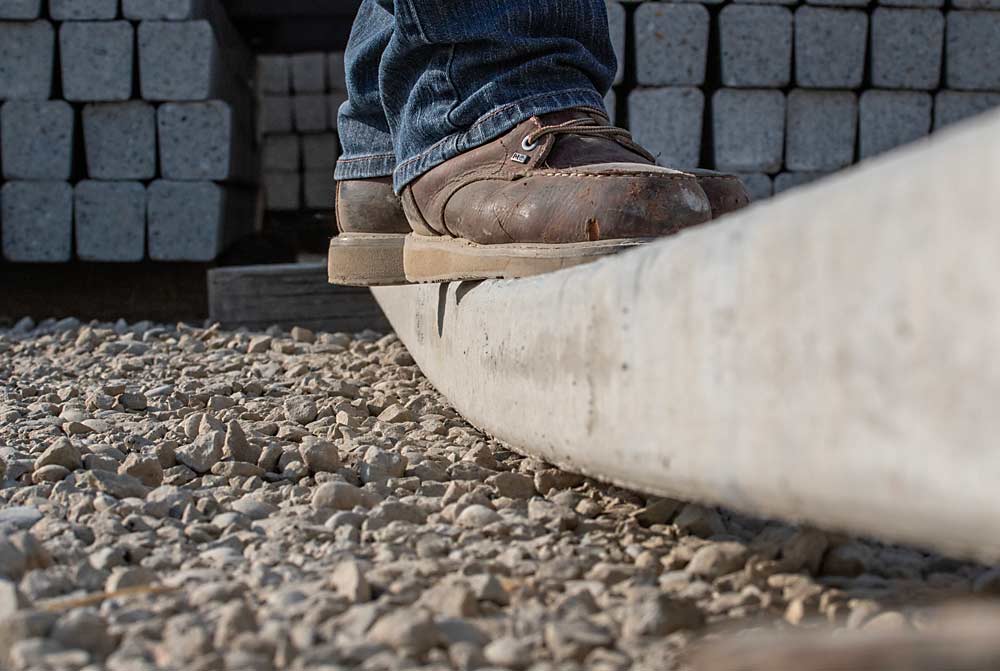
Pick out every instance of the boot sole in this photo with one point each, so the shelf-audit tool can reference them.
(366, 259)
(433, 259)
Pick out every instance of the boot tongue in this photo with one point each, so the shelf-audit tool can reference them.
(570, 150)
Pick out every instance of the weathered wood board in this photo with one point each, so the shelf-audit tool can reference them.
(287, 295)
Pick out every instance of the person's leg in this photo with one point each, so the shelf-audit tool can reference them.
(457, 74)
(368, 249)
(365, 140)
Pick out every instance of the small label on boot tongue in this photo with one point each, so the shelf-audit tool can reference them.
(519, 158)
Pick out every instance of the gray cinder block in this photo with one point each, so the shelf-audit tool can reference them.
(822, 127)
(839, 3)
(281, 153)
(617, 30)
(336, 76)
(790, 180)
(27, 53)
(164, 10)
(830, 47)
(611, 105)
(181, 61)
(319, 152)
(954, 106)
(195, 221)
(973, 51)
(120, 140)
(912, 3)
(83, 10)
(273, 75)
(20, 10)
(671, 44)
(274, 115)
(96, 60)
(748, 130)
(334, 101)
(282, 191)
(37, 139)
(668, 122)
(202, 141)
(888, 119)
(309, 73)
(319, 189)
(756, 45)
(37, 221)
(310, 112)
(906, 48)
(110, 221)
(764, 2)
(759, 185)
(975, 4)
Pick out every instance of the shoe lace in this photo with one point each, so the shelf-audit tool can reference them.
(589, 127)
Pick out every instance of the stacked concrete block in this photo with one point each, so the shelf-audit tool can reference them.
(822, 128)
(83, 10)
(830, 47)
(318, 190)
(27, 52)
(188, 60)
(299, 96)
(907, 45)
(110, 221)
(668, 122)
(756, 46)
(671, 44)
(889, 119)
(954, 106)
(203, 141)
(182, 60)
(758, 185)
(791, 180)
(120, 140)
(748, 130)
(37, 218)
(37, 139)
(972, 52)
(20, 10)
(195, 221)
(96, 60)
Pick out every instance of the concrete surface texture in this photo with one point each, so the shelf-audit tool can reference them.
(826, 356)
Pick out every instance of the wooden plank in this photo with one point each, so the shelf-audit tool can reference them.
(286, 295)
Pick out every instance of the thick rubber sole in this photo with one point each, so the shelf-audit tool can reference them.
(441, 259)
(366, 259)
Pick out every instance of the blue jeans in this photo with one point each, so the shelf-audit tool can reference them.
(430, 79)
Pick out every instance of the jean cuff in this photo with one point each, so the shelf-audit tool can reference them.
(490, 127)
(365, 167)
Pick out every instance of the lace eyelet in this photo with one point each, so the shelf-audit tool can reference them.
(528, 146)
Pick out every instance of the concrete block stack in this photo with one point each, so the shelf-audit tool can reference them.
(785, 91)
(105, 105)
(299, 96)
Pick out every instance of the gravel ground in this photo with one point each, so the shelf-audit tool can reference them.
(191, 498)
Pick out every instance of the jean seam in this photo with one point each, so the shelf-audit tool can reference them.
(366, 157)
(488, 117)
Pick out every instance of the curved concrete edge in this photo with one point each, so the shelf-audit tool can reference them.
(828, 356)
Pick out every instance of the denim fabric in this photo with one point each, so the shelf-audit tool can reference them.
(430, 79)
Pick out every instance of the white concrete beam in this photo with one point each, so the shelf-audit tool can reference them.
(830, 356)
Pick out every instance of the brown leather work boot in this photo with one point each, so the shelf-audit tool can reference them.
(558, 190)
(373, 226)
(368, 250)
